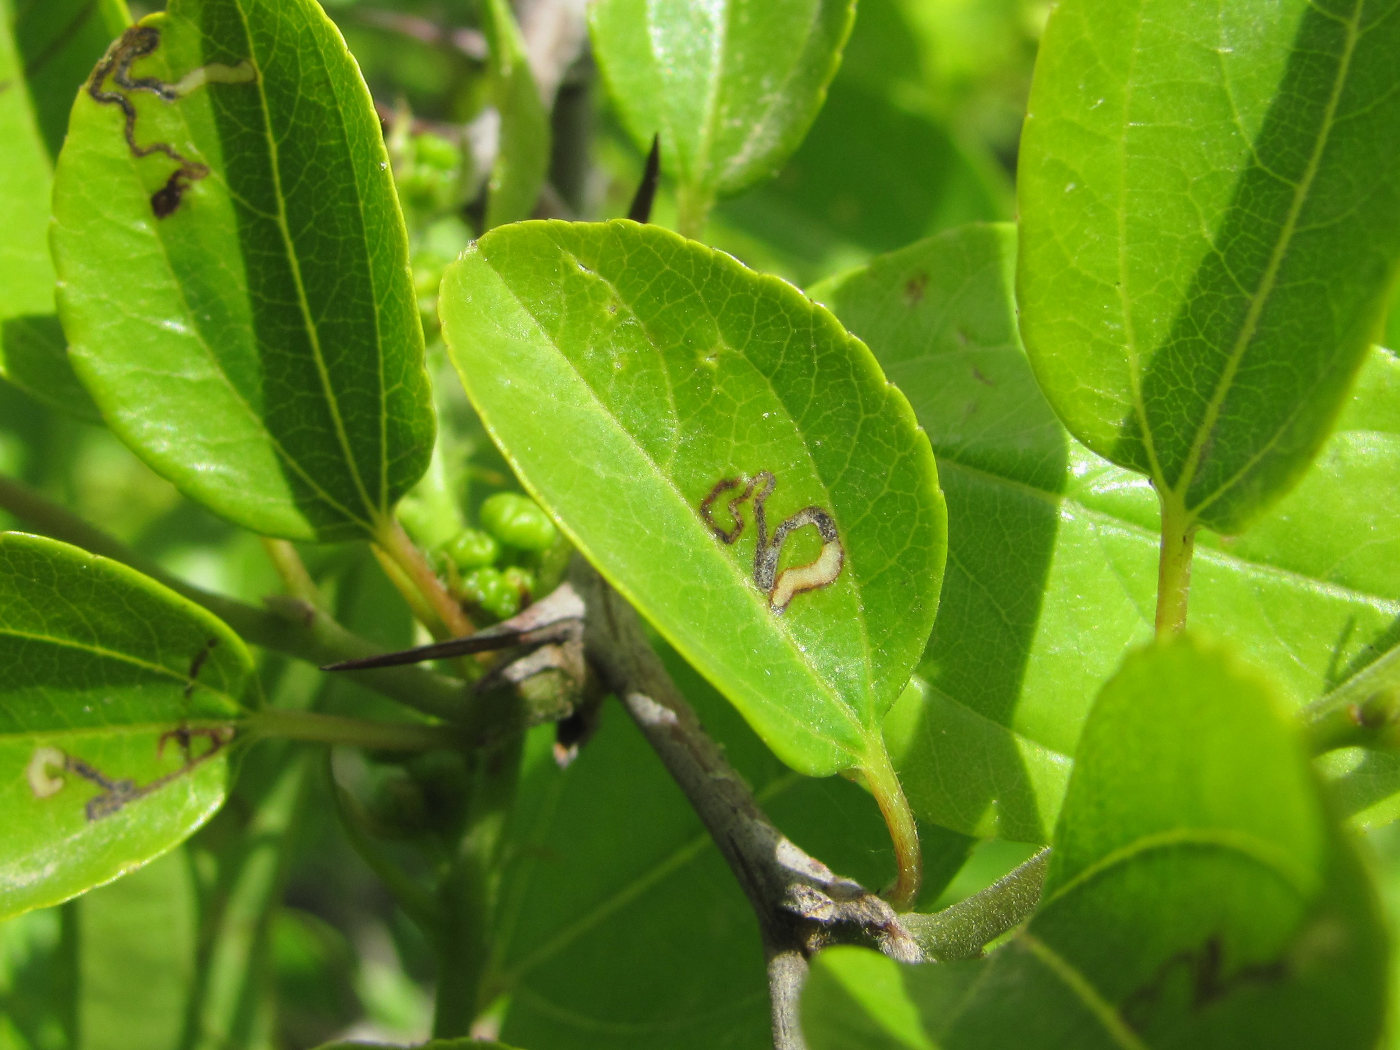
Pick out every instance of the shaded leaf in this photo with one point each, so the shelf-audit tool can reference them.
(46, 52)
(136, 955)
(696, 390)
(522, 158)
(1052, 557)
(1197, 896)
(731, 87)
(1210, 219)
(38, 954)
(258, 344)
(118, 700)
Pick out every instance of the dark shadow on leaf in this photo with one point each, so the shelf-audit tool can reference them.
(1290, 381)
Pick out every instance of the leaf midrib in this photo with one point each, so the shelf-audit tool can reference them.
(1257, 302)
(114, 656)
(122, 729)
(219, 372)
(373, 507)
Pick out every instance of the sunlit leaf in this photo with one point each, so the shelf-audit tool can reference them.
(118, 703)
(730, 86)
(654, 394)
(234, 269)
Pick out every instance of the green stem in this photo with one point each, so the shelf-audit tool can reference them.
(440, 612)
(899, 818)
(1174, 566)
(1364, 711)
(964, 929)
(285, 626)
(352, 732)
(693, 204)
(292, 570)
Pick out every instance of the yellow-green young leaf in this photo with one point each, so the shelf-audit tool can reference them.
(118, 703)
(1049, 543)
(659, 398)
(1210, 220)
(1198, 895)
(234, 268)
(46, 52)
(731, 87)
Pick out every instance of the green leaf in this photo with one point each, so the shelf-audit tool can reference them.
(46, 52)
(1210, 220)
(683, 377)
(522, 157)
(234, 268)
(118, 700)
(1053, 552)
(1197, 894)
(731, 86)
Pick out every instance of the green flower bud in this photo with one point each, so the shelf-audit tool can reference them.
(472, 548)
(517, 521)
(523, 580)
(487, 589)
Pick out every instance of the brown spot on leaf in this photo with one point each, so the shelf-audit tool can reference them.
(914, 289)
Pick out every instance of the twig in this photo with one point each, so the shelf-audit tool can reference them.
(800, 903)
(963, 930)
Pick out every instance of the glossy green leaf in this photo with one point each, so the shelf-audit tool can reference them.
(1053, 552)
(1210, 220)
(731, 87)
(629, 376)
(522, 156)
(46, 52)
(1198, 895)
(234, 269)
(118, 700)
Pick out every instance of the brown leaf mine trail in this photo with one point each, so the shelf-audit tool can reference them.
(138, 42)
(782, 587)
(48, 764)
